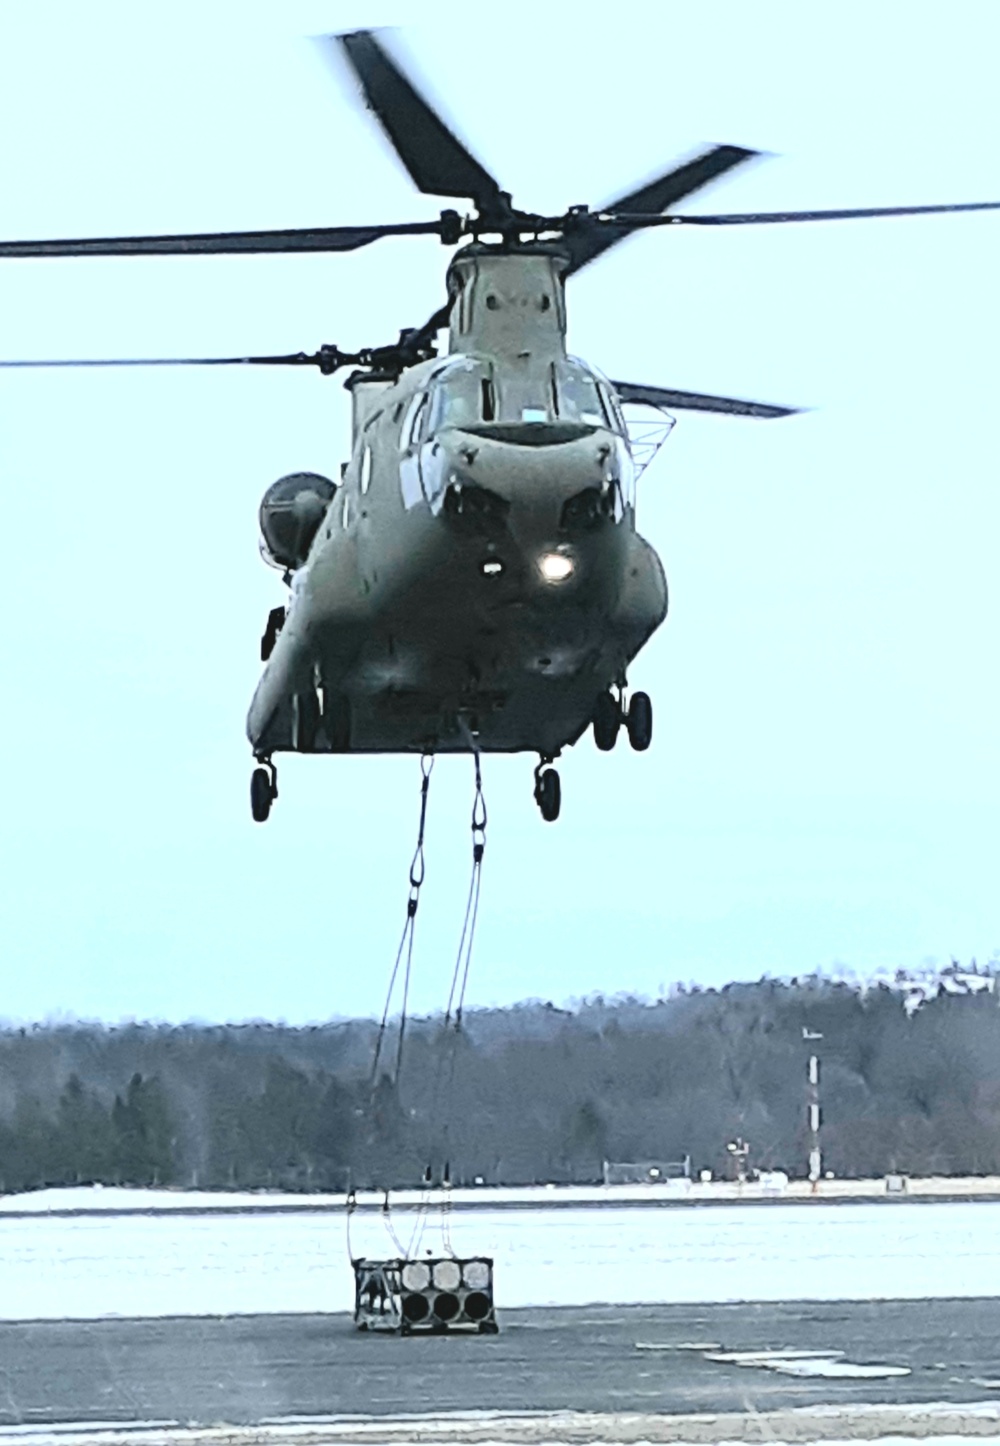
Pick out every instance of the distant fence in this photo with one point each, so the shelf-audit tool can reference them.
(646, 1172)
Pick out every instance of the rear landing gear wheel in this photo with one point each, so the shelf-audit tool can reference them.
(607, 720)
(263, 792)
(640, 722)
(548, 793)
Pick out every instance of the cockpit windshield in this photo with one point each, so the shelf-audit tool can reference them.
(577, 395)
(583, 395)
(461, 395)
(465, 392)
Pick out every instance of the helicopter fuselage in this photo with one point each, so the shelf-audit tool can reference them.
(477, 574)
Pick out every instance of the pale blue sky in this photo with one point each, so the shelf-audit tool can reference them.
(823, 785)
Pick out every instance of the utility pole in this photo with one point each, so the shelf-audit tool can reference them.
(812, 1111)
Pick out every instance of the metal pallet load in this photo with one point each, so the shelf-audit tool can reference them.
(432, 1295)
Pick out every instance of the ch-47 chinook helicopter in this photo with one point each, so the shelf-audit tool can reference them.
(474, 580)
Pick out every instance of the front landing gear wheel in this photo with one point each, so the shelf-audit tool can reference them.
(548, 793)
(262, 794)
(607, 720)
(640, 722)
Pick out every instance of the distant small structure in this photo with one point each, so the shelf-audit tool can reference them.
(740, 1151)
(773, 1182)
(646, 1172)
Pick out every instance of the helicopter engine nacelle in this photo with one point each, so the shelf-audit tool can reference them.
(290, 515)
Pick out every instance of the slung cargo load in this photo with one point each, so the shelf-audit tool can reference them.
(434, 1295)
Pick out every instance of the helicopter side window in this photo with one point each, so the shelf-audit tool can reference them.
(365, 474)
(613, 409)
(578, 394)
(409, 448)
(414, 424)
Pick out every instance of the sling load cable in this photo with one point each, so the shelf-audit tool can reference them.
(417, 874)
(460, 973)
(456, 1001)
(467, 941)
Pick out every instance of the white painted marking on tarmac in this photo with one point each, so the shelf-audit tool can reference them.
(764, 1358)
(677, 1345)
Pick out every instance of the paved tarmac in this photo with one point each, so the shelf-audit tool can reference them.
(250, 1369)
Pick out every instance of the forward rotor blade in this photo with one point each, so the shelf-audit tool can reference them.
(698, 401)
(755, 218)
(436, 159)
(217, 243)
(587, 243)
(296, 359)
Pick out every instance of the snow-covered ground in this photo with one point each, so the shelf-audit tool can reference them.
(140, 1265)
(767, 1188)
(829, 1425)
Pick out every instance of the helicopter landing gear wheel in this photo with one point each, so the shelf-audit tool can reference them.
(607, 720)
(337, 721)
(305, 721)
(548, 792)
(263, 791)
(640, 722)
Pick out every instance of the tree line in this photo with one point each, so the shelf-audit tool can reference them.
(519, 1095)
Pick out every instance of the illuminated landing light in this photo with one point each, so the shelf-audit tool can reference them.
(492, 567)
(555, 566)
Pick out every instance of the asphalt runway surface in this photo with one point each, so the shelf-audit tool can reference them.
(250, 1369)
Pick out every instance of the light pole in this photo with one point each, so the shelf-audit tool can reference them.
(812, 1111)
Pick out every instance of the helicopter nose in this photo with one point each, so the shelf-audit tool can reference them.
(566, 487)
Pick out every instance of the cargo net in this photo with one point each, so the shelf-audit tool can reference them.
(648, 428)
(433, 1295)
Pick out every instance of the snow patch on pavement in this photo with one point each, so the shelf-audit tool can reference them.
(833, 1369)
(932, 1425)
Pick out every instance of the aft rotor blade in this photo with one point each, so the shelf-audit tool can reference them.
(438, 162)
(588, 242)
(757, 218)
(698, 401)
(417, 340)
(217, 243)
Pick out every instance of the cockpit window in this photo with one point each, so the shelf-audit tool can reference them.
(578, 395)
(461, 395)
